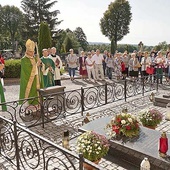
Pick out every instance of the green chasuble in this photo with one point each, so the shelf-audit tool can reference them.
(30, 80)
(4, 108)
(48, 75)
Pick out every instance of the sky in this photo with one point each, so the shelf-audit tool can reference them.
(150, 19)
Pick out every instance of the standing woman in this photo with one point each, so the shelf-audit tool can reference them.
(83, 69)
(72, 64)
(145, 62)
(159, 61)
(125, 60)
(109, 65)
(118, 66)
(133, 66)
(90, 67)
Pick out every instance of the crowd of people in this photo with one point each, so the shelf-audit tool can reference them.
(95, 66)
(44, 71)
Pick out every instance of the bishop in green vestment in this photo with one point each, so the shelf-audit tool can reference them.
(48, 69)
(30, 80)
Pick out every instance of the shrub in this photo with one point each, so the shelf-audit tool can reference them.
(12, 68)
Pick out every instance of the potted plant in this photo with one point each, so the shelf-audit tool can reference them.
(92, 145)
(150, 118)
(124, 124)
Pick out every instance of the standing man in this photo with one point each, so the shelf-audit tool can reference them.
(30, 76)
(58, 65)
(48, 69)
(98, 60)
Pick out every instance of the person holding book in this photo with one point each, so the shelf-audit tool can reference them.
(58, 65)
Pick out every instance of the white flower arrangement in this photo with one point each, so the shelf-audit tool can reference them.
(93, 146)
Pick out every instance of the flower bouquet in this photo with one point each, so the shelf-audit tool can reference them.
(150, 117)
(92, 145)
(124, 124)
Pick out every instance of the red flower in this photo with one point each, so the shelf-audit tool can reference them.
(137, 125)
(115, 128)
(118, 119)
(128, 127)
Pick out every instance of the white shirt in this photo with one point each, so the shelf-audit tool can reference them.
(89, 61)
(98, 58)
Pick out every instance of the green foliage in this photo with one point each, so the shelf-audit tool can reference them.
(44, 37)
(12, 68)
(101, 47)
(116, 20)
(58, 40)
(11, 21)
(120, 47)
(68, 44)
(81, 37)
(37, 11)
(161, 46)
(71, 42)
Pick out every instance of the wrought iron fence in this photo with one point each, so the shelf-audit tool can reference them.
(60, 105)
(27, 150)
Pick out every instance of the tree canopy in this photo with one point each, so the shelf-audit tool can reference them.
(81, 37)
(37, 11)
(11, 21)
(44, 37)
(116, 20)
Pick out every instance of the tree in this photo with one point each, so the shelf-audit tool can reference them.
(81, 37)
(11, 21)
(68, 44)
(161, 46)
(44, 37)
(115, 22)
(37, 11)
(58, 38)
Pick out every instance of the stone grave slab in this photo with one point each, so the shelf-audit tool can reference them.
(134, 149)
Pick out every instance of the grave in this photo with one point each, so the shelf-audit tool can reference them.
(162, 100)
(134, 149)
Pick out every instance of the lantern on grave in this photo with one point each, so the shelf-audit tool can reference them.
(163, 145)
(66, 139)
(167, 116)
(145, 164)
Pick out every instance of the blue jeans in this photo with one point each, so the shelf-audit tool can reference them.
(72, 72)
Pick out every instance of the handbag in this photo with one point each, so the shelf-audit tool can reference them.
(149, 70)
(138, 65)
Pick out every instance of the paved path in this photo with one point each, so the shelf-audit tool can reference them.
(135, 104)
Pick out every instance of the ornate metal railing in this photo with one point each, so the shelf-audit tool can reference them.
(60, 105)
(25, 149)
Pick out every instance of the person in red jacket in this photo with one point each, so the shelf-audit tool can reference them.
(2, 61)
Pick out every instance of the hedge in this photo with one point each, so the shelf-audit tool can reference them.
(12, 68)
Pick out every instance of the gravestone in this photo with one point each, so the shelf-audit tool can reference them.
(134, 149)
(162, 100)
(53, 99)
